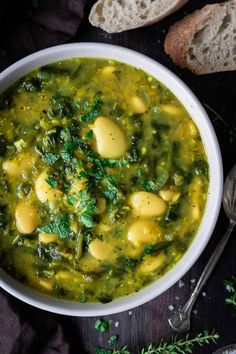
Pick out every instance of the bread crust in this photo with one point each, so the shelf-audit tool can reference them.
(181, 33)
(99, 6)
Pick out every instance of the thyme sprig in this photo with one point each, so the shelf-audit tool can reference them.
(175, 346)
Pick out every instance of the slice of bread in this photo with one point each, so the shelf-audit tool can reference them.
(205, 41)
(121, 15)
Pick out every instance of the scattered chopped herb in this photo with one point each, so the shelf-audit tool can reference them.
(62, 106)
(50, 158)
(150, 249)
(86, 207)
(149, 186)
(112, 341)
(102, 326)
(87, 117)
(112, 190)
(49, 253)
(89, 135)
(138, 173)
(86, 219)
(60, 226)
(51, 182)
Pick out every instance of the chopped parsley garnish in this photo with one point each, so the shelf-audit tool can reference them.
(50, 158)
(102, 326)
(51, 182)
(89, 135)
(87, 117)
(60, 226)
(148, 249)
(112, 191)
(86, 219)
(86, 207)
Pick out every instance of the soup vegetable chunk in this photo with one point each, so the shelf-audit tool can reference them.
(103, 180)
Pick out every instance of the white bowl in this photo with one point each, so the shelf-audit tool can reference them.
(198, 114)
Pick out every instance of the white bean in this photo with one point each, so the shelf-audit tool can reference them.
(110, 139)
(151, 263)
(100, 249)
(137, 105)
(44, 191)
(144, 231)
(27, 218)
(147, 204)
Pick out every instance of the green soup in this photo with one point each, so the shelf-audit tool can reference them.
(103, 180)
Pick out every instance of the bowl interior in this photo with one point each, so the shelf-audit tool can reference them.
(199, 116)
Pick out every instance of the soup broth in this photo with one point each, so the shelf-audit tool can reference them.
(103, 180)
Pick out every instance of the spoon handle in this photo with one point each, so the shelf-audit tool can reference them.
(209, 268)
(180, 320)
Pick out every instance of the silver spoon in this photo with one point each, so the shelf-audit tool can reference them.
(230, 349)
(180, 320)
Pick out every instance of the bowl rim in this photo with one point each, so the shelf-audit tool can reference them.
(200, 117)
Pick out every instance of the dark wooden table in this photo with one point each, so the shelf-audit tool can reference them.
(148, 323)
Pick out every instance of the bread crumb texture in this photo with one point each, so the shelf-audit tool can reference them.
(121, 15)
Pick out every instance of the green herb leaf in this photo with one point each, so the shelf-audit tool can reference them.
(112, 341)
(149, 186)
(50, 158)
(148, 249)
(60, 226)
(89, 116)
(93, 113)
(112, 190)
(102, 326)
(86, 219)
(52, 182)
(89, 135)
